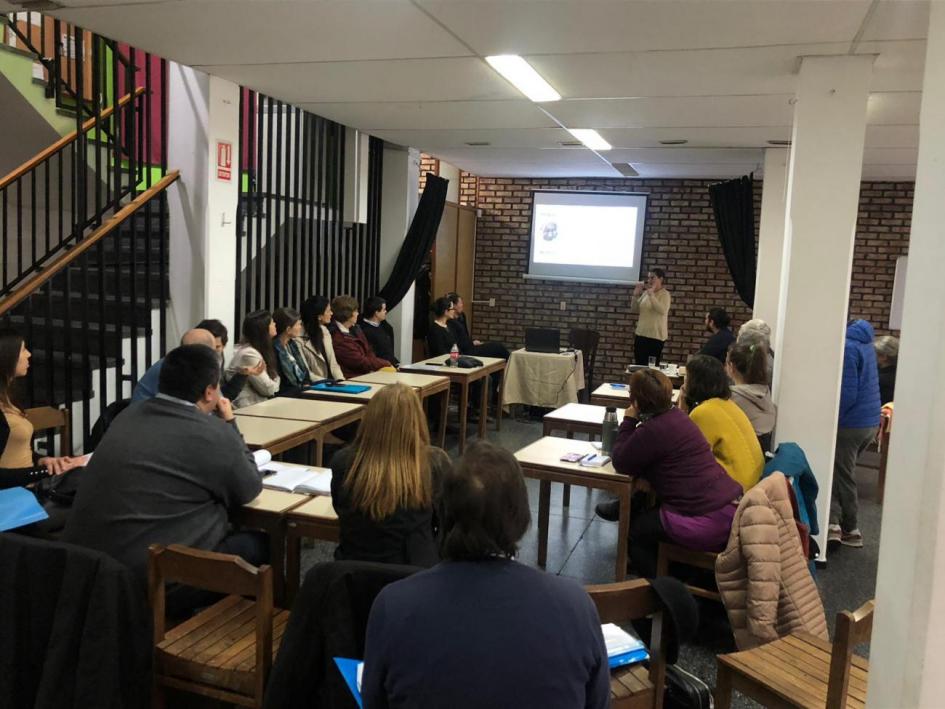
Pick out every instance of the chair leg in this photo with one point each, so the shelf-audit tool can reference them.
(157, 694)
(723, 688)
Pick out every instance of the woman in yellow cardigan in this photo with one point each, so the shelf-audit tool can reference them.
(706, 396)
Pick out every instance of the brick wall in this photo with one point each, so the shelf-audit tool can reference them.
(428, 163)
(680, 237)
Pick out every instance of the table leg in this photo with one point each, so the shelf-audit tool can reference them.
(623, 532)
(444, 411)
(319, 449)
(544, 507)
(293, 566)
(276, 534)
(566, 493)
(500, 403)
(484, 406)
(463, 404)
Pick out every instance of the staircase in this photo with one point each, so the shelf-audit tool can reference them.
(85, 231)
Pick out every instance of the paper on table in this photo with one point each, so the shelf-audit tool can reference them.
(310, 481)
(262, 456)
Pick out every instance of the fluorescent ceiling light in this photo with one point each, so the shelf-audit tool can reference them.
(523, 77)
(590, 137)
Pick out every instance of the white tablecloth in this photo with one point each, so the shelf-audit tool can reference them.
(543, 379)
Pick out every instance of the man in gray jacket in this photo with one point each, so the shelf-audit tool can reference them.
(167, 470)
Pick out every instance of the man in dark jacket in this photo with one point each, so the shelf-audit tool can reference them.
(379, 334)
(352, 349)
(858, 423)
(460, 330)
(717, 322)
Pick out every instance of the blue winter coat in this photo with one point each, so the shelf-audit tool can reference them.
(859, 391)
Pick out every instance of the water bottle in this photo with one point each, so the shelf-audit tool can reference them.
(454, 356)
(609, 433)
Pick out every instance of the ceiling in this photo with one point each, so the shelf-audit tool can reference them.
(719, 74)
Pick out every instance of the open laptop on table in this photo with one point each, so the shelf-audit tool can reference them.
(542, 339)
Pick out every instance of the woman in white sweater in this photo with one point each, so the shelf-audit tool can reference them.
(255, 346)
(316, 344)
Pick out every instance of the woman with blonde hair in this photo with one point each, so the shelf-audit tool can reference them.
(385, 483)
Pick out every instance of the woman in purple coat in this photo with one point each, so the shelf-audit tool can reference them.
(696, 497)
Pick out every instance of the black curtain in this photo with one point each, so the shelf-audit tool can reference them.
(734, 207)
(419, 241)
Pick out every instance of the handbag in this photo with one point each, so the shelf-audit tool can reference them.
(685, 691)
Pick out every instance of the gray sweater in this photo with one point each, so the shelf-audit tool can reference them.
(164, 473)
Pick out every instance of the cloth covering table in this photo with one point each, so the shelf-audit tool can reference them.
(543, 378)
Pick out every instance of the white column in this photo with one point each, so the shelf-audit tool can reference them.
(203, 111)
(771, 236)
(823, 192)
(907, 654)
(401, 175)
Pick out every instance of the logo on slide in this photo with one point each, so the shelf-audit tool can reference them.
(549, 232)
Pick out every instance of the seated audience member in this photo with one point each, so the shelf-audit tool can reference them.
(757, 332)
(19, 464)
(746, 367)
(716, 322)
(460, 330)
(660, 444)
(293, 372)
(147, 386)
(376, 329)
(479, 629)
(440, 338)
(887, 357)
(231, 389)
(858, 423)
(707, 398)
(166, 472)
(383, 485)
(352, 348)
(256, 348)
(317, 348)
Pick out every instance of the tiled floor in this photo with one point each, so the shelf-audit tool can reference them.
(582, 546)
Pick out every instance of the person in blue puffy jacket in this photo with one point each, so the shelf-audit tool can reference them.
(858, 423)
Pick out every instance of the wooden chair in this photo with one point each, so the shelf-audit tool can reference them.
(634, 686)
(224, 652)
(802, 670)
(46, 418)
(672, 554)
(880, 446)
(586, 341)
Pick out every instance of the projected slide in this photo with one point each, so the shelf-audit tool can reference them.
(587, 236)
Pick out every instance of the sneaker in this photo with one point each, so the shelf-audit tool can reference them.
(834, 533)
(609, 510)
(852, 539)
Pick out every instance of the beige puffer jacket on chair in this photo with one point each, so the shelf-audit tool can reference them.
(762, 575)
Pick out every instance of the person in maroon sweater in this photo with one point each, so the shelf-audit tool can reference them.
(352, 350)
(660, 444)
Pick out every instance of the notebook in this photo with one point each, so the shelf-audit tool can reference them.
(308, 481)
(622, 647)
(18, 507)
(340, 388)
(352, 671)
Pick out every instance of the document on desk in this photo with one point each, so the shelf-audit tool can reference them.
(307, 481)
(622, 647)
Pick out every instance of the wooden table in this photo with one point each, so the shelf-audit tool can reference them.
(542, 461)
(362, 397)
(465, 377)
(606, 395)
(314, 519)
(677, 379)
(267, 512)
(575, 418)
(327, 416)
(275, 435)
(426, 385)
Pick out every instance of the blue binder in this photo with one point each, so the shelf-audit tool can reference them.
(19, 507)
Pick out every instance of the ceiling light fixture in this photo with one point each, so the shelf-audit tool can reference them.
(590, 137)
(478, 143)
(674, 141)
(625, 169)
(523, 77)
(781, 143)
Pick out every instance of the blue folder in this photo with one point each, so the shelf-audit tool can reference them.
(349, 670)
(340, 388)
(19, 507)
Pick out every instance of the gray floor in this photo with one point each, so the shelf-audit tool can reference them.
(582, 546)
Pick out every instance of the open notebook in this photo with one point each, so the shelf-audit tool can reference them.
(292, 478)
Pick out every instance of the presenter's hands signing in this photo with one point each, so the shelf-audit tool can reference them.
(637, 290)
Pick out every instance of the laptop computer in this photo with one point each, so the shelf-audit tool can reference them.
(542, 339)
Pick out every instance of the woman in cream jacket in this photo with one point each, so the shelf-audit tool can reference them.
(316, 344)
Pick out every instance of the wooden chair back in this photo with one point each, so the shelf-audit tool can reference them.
(587, 341)
(851, 630)
(46, 418)
(220, 573)
(631, 600)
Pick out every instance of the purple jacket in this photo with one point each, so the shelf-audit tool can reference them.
(670, 452)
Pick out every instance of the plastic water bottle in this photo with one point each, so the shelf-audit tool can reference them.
(609, 433)
(454, 356)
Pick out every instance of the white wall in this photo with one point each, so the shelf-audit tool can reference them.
(771, 237)
(451, 173)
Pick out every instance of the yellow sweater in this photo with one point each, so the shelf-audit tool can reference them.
(732, 439)
(654, 314)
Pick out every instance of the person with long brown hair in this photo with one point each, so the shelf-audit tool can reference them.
(19, 464)
(385, 483)
(256, 346)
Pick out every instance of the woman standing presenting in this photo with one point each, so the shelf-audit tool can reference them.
(652, 302)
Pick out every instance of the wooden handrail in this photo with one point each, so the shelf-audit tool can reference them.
(29, 286)
(66, 140)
